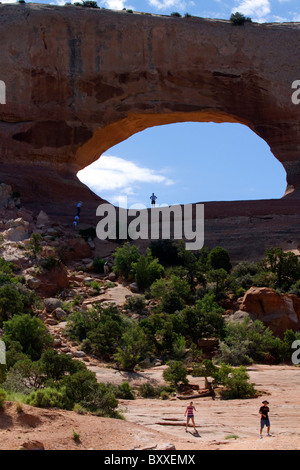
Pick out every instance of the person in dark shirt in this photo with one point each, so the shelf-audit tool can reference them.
(264, 420)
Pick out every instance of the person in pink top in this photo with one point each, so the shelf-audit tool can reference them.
(189, 413)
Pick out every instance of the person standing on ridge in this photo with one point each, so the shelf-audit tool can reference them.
(153, 199)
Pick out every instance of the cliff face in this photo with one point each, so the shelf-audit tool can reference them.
(80, 80)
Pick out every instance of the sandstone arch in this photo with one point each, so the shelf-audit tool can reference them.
(82, 80)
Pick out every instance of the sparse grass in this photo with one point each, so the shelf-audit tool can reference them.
(75, 436)
(232, 436)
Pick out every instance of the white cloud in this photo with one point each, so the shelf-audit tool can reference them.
(119, 177)
(114, 4)
(167, 4)
(256, 9)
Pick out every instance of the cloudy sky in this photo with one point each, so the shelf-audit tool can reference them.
(191, 162)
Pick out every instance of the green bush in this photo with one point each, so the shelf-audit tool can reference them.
(132, 347)
(146, 270)
(35, 243)
(102, 326)
(2, 398)
(98, 265)
(135, 303)
(88, 233)
(30, 333)
(50, 262)
(237, 385)
(285, 266)
(124, 257)
(47, 398)
(176, 373)
(246, 342)
(238, 19)
(219, 258)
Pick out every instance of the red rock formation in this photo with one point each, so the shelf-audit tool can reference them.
(79, 81)
(279, 312)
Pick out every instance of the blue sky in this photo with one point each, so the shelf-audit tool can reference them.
(191, 162)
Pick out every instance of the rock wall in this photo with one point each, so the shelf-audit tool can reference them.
(80, 80)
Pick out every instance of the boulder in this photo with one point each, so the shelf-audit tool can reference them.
(52, 304)
(42, 218)
(16, 230)
(32, 445)
(53, 281)
(277, 311)
(60, 314)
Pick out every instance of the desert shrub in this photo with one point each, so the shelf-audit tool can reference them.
(132, 347)
(102, 326)
(48, 398)
(50, 262)
(174, 285)
(147, 390)
(176, 14)
(205, 319)
(285, 266)
(295, 289)
(146, 270)
(54, 365)
(98, 265)
(123, 391)
(285, 345)
(219, 258)
(237, 385)
(35, 243)
(135, 303)
(15, 299)
(2, 397)
(88, 233)
(90, 4)
(166, 251)
(124, 257)
(238, 19)
(29, 332)
(176, 373)
(246, 342)
(219, 277)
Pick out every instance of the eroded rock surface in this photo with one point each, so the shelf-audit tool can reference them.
(82, 80)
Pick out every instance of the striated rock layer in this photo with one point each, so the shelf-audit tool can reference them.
(79, 81)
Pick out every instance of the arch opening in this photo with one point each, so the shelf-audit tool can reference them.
(187, 162)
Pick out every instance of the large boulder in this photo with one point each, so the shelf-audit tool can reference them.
(16, 230)
(278, 311)
(53, 281)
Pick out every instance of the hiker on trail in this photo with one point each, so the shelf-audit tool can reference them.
(264, 421)
(79, 208)
(189, 412)
(153, 199)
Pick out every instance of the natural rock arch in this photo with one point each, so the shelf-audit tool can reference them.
(82, 80)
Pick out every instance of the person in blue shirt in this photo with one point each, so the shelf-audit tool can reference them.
(79, 208)
(153, 199)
